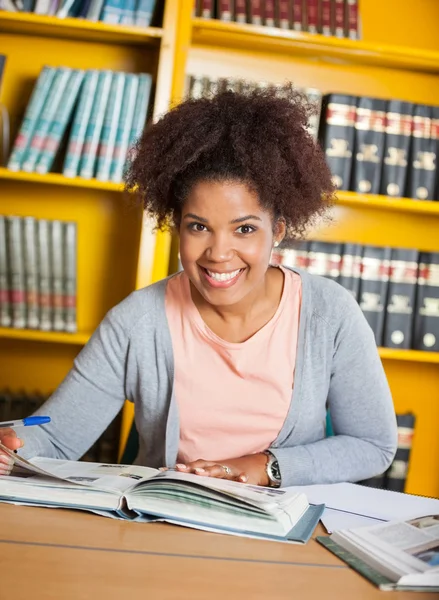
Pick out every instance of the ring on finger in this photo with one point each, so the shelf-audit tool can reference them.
(227, 470)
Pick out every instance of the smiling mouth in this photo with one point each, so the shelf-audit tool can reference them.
(226, 279)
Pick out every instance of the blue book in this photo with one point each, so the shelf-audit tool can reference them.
(144, 12)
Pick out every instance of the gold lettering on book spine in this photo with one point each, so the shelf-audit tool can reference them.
(396, 157)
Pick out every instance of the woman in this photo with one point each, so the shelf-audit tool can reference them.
(232, 363)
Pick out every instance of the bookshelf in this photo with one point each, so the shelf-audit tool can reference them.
(397, 57)
(117, 247)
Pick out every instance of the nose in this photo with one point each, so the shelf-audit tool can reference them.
(220, 248)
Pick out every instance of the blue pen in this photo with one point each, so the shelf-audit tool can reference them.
(26, 422)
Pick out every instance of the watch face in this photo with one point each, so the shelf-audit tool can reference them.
(275, 470)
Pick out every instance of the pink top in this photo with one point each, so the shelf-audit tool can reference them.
(233, 398)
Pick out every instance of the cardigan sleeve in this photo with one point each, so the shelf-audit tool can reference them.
(361, 408)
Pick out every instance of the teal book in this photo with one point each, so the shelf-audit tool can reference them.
(95, 124)
(33, 110)
(60, 122)
(109, 129)
(141, 108)
(144, 12)
(124, 128)
(129, 12)
(45, 119)
(112, 11)
(80, 123)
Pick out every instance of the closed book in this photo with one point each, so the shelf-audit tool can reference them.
(59, 123)
(45, 119)
(141, 108)
(95, 10)
(311, 15)
(80, 124)
(352, 19)
(434, 132)
(33, 110)
(45, 274)
(31, 272)
(109, 129)
(399, 121)
(396, 475)
(94, 126)
(324, 258)
(112, 11)
(375, 270)
(338, 136)
(284, 256)
(241, 11)
(324, 17)
(198, 86)
(207, 9)
(338, 18)
(123, 128)
(57, 260)
(401, 298)
(128, 12)
(14, 235)
(269, 13)
(298, 15)
(255, 12)
(144, 12)
(284, 13)
(5, 297)
(350, 271)
(423, 156)
(426, 330)
(370, 127)
(315, 98)
(70, 276)
(225, 10)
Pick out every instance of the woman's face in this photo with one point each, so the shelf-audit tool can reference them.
(226, 240)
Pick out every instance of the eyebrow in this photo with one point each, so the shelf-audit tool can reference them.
(238, 220)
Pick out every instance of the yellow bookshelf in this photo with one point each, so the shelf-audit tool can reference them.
(398, 57)
(76, 339)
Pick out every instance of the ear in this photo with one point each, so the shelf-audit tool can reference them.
(280, 230)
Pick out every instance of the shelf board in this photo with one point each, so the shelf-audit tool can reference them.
(91, 31)
(61, 337)
(58, 179)
(213, 32)
(409, 355)
(387, 203)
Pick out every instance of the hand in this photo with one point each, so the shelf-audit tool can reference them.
(247, 469)
(8, 438)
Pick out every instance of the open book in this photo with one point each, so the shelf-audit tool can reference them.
(398, 555)
(144, 494)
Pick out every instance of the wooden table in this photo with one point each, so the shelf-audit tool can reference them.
(66, 555)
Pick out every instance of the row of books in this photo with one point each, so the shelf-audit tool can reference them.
(329, 17)
(395, 477)
(16, 405)
(125, 12)
(396, 288)
(202, 86)
(90, 119)
(37, 274)
(380, 146)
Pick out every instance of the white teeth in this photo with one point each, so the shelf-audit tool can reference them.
(223, 276)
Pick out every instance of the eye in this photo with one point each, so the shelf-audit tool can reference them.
(198, 227)
(246, 229)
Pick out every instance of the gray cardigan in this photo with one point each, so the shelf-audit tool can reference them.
(130, 356)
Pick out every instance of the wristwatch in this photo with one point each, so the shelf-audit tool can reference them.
(272, 470)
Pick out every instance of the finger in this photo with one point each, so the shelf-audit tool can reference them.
(242, 478)
(190, 467)
(10, 440)
(6, 464)
(216, 470)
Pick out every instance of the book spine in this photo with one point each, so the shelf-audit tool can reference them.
(426, 331)
(198, 86)
(255, 13)
(312, 16)
(94, 127)
(324, 259)
(423, 156)
(123, 129)
(324, 25)
(399, 122)
(302, 254)
(59, 124)
(338, 18)
(70, 250)
(434, 132)
(401, 298)
(314, 97)
(109, 128)
(5, 300)
(33, 110)
(31, 273)
(129, 12)
(45, 119)
(284, 12)
(225, 10)
(269, 11)
(17, 279)
(352, 19)
(350, 272)
(57, 259)
(396, 475)
(241, 11)
(207, 9)
(80, 123)
(375, 269)
(298, 15)
(45, 273)
(144, 12)
(370, 127)
(339, 137)
(141, 108)
(112, 11)
(95, 9)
